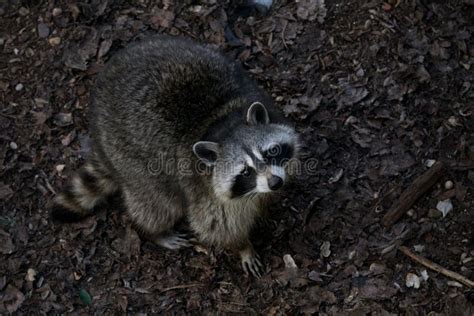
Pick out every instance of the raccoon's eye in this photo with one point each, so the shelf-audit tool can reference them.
(246, 171)
(286, 151)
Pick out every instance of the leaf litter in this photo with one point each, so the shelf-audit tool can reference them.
(376, 89)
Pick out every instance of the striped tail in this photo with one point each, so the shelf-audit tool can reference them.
(90, 186)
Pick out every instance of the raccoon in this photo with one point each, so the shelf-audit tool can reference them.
(181, 131)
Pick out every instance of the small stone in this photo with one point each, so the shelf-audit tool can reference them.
(430, 162)
(57, 12)
(2, 41)
(424, 275)
(289, 261)
(30, 275)
(43, 30)
(13, 146)
(444, 207)
(351, 254)
(412, 280)
(60, 168)
(279, 98)
(326, 249)
(448, 185)
(16, 51)
(410, 212)
(19, 87)
(54, 41)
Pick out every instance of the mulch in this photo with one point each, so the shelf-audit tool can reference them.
(378, 90)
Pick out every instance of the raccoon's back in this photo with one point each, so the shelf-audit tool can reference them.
(164, 85)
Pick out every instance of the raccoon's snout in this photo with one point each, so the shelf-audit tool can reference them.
(275, 182)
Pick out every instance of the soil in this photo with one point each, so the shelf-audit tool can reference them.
(379, 90)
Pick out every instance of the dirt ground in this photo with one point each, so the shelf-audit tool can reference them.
(379, 90)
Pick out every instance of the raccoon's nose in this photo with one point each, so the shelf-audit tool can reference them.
(275, 183)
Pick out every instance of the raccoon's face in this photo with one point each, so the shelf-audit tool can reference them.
(257, 158)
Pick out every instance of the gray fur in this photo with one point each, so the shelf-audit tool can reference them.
(152, 103)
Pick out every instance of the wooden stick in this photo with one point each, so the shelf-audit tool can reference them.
(413, 193)
(433, 266)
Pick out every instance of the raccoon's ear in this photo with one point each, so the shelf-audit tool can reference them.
(206, 152)
(257, 114)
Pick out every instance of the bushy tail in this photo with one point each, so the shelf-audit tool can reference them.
(90, 186)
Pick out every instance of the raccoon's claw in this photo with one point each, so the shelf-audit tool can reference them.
(174, 241)
(251, 263)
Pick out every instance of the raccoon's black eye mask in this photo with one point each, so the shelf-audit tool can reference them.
(278, 154)
(244, 182)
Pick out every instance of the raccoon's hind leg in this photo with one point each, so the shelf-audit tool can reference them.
(89, 186)
(155, 214)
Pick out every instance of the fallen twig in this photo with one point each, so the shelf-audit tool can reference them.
(433, 266)
(413, 193)
(183, 286)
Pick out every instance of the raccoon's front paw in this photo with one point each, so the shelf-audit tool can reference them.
(251, 262)
(173, 241)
